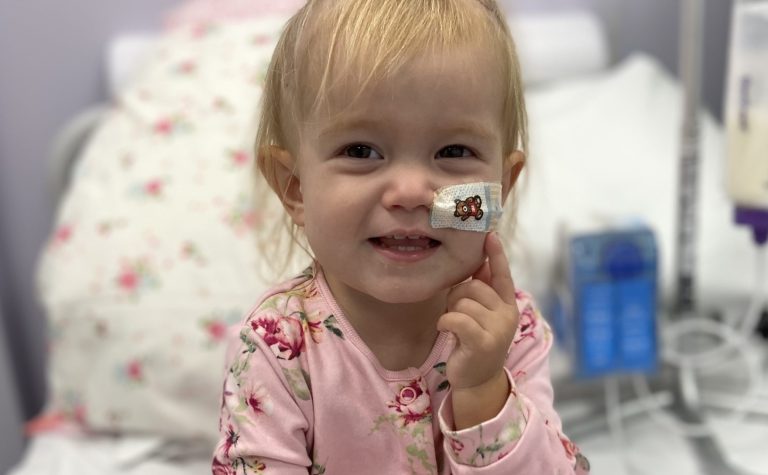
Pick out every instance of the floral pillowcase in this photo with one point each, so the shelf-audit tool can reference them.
(154, 251)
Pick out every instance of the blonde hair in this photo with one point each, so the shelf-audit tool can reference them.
(331, 44)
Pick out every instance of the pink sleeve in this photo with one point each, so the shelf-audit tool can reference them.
(264, 424)
(526, 436)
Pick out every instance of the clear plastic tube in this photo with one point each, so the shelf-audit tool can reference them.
(733, 341)
(745, 328)
(614, 415)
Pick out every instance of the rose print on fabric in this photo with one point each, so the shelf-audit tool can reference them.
(412, 403)
(527, 325)
(62, 234)
(216, 329)
(519, 375)
(136, 276)
(331, 325)
(239, 158)
(262, 39)
(283, 325)
(581, 464)
(257, 400)
(286, 327)
(314, 317)
(107, 227)
(243, 217)
(72, 405)
(231, 440)
(239, 465)
(570, 447)
(467, 451)
(252, 401)
(220, 104)
(135, 371)
(473, 448)
(132, 371)
(216, 324)
(169, 126)
(284, 335)
(191, 251)
(456, 446)
(219, 468)
(185, 68)
(202, 30)
(410, 416)
(153, 189)
(532, 325)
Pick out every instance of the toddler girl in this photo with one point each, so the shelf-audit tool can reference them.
(405, 347)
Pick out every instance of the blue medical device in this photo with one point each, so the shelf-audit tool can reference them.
(607, 317)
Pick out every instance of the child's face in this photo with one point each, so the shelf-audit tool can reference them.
(369, 176)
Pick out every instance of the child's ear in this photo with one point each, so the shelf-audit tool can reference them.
(287, 184)
(513, 165)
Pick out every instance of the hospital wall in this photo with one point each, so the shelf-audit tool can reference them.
(51, 67)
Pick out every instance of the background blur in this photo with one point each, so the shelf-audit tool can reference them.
(51, 67)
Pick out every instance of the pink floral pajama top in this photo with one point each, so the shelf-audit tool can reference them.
(303, 394)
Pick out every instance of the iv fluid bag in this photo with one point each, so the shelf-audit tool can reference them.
(746, 116)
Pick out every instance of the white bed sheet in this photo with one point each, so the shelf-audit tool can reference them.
(60, 454)
(650, 449)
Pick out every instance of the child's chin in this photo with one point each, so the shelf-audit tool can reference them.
(402, 297)
(413, 293)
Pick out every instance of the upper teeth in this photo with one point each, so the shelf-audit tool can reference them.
(398, 236)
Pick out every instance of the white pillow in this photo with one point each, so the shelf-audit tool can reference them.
(559, 45)
(154, 250)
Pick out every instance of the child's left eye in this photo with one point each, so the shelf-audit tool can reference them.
(455, 151)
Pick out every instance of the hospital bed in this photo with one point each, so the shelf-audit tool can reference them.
(154, 252)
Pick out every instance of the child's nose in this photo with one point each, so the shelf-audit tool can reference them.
(409, 188)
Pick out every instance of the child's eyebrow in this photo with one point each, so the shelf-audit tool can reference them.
(455, 127)
(341, 125)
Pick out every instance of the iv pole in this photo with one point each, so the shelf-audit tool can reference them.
(691, 21)
(687, 403)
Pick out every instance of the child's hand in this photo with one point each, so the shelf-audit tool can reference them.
(482, 313)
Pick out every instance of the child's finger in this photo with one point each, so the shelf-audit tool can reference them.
(475, 290)
(467, 330)
(483, 273)
(501, 277)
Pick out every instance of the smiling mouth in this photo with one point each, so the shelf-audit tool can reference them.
(398, 243)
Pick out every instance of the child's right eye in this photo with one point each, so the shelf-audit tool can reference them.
(360, 151)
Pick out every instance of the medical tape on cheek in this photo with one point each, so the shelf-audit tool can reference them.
(467, 207)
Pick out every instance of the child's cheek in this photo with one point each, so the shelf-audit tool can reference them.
(469, 251)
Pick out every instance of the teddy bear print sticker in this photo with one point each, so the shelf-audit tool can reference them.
(454, 205)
